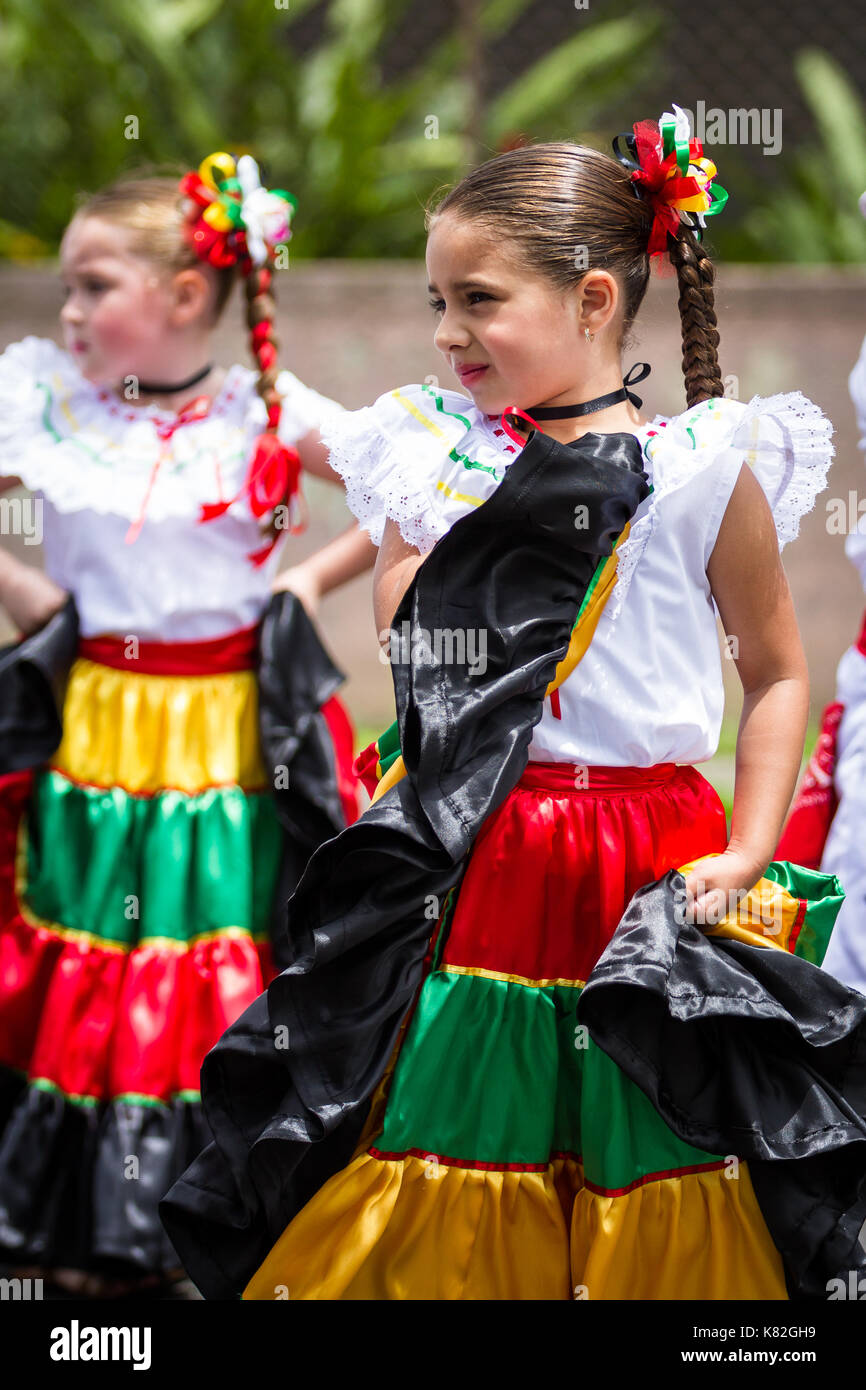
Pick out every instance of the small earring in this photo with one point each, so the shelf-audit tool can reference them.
(589, 336)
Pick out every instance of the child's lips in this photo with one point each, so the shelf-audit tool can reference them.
(468, 375)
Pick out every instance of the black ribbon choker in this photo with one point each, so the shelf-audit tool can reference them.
(148, 390)
(568, 412)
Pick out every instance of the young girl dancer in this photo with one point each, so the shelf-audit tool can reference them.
(139, 867)
(442, 942)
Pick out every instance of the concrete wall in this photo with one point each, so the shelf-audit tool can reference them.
(355, 329)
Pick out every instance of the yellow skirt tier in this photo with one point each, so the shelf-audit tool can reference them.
(416, 1229)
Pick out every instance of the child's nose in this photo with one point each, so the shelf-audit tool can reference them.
(71, 311)
(450, 334)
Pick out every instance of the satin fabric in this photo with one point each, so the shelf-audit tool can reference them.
(148, 733)
(419, 1230)
(32, 676)
(236, 651)
(747, 1050)
(809, 820)
(135, 929)
(138, 883)
(552, 870)
(514, 1159)
(118, 869)
(790, 908)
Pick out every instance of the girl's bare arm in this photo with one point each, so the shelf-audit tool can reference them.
(754, 601)
(28, 595)
(314, 458)
(395, 569)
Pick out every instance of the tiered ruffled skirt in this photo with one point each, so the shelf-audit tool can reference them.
(506, 1156)
(137, 877)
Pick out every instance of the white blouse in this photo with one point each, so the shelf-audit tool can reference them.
(97, 465)
(649, 689)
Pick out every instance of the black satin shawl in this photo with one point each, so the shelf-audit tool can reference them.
(747, 1051)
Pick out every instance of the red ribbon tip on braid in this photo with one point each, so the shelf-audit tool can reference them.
(273, 474)
(273, 477)
(261, 333)
(266, 354)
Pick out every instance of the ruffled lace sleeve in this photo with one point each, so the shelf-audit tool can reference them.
(23, 366)
(303, 408)
(419, 456)
(785, 439)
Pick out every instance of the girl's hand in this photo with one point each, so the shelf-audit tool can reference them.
(716, 884)
(300, 580)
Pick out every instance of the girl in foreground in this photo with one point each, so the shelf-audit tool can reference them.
(521, 811)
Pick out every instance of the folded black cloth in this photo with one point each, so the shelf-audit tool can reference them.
(296, 677)
(749, 1051)
(286, 1090)
(33, 672)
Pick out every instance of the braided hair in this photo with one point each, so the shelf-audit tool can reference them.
(261, 312)
(695, 277)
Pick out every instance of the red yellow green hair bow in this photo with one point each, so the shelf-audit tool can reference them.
(231, 218)
(670, 169)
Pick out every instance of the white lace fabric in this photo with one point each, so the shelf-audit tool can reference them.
(419, 456)
(84, 448)
(424, 457)
(785, 438)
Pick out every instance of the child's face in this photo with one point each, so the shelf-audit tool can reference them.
(493, 313)
(118, 306)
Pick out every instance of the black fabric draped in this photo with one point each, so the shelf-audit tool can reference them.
(749, 1051)
(32, 677)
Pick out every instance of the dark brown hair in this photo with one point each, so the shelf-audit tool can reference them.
(551, 199)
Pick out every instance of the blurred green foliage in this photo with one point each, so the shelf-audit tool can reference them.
(94, 90)
(814, 215)
(361, 153)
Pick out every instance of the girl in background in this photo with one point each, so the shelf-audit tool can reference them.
(139, 866)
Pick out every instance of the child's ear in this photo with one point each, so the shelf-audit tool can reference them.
(599, 296)
(192, 294)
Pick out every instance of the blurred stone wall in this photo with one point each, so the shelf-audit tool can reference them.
(356, 329)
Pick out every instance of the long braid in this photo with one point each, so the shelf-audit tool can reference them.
(230, 220)
(695, 276)
(264, 344)
(261, 312)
